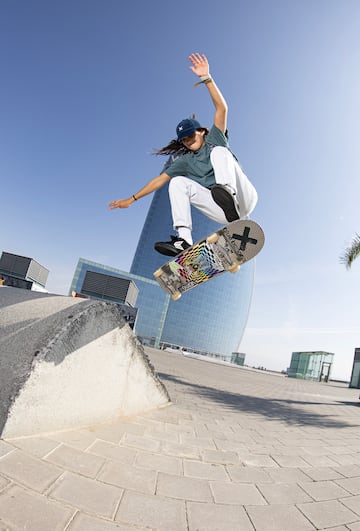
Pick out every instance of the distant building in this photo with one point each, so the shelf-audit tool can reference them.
(355, 373)
(238, 358)
(148, 323)
(311, 365)
(22, 272)
(109, 287)
(97, 282)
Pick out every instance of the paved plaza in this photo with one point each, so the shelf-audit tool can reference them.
(236, 450)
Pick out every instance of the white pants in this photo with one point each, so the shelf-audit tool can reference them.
(184, 192)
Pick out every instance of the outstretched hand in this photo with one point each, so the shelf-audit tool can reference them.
(200, 65)
(121, 203)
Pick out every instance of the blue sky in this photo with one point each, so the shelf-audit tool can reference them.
(90, 87)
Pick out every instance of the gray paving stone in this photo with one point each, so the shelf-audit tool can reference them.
(290, 461)
(5, 448)
(76, 438)
(29, 471)
(230, 445)
(219, 457)
(219, 427)
(236, 494)
(75, 460)
(160, 463)
(354, 527)
(341, 449)
(265, 461)
(288, 450)
(322, 473)
(87, 494)
(152, 512)
(179, 450)
(169, 415)
(36, 446)
(3, 482)
(278, 518)
(246, 437)
(135, 426)
(183, 488)
(352, 503)
(287, 475)
(107, 432)
(175, 428)
(215, 517)
(317, 450)
(356, 459)
(202, 431)
(84, 522)
(199, 442)
(283, 493)
(128, 477)
(349, 471)
(263, 449)
(295, 440)
(324, 490)
(4, 526)
(140, 443)
(327, 513)
(113, 451)
(350, 447)
(29, 511)
(242, 474)
(161, 434)
(197, 469)
(352, 485)
(309, 442)
(319, 460)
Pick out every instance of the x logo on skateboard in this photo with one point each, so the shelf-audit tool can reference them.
(244, 238)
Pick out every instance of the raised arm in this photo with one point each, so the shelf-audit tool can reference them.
(149, 188)
(200, 67)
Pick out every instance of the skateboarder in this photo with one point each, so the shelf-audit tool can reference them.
(203, 172)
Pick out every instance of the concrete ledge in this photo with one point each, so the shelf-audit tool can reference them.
(68, 362)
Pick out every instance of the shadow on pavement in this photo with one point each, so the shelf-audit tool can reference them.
(291, 412)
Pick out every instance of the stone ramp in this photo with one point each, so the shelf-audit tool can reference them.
(67, 363)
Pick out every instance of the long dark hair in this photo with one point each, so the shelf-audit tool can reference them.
(175, 147)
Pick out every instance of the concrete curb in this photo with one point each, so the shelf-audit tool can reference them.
(67, 363)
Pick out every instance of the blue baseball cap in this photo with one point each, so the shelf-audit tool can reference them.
(187, 127)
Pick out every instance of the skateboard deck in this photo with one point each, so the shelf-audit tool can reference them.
(224, 250)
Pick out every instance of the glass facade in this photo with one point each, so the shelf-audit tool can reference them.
(355, 374)
(311, 365)
(210, 318)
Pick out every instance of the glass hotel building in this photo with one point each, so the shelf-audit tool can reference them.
(211, 318)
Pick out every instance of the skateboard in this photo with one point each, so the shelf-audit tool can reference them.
(224, 250)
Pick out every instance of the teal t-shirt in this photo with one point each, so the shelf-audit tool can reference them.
(196, 164)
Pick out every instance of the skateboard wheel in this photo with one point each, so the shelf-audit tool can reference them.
(176, 296)
(234, 268)
(213, 238)
(158, 273)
